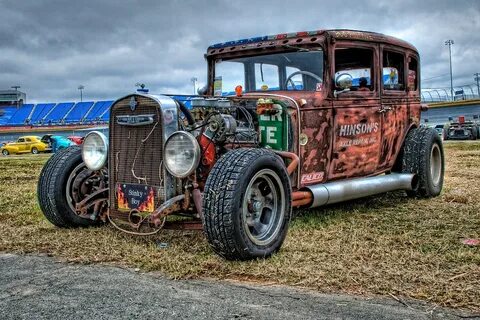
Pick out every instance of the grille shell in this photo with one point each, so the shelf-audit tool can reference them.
(136, 152)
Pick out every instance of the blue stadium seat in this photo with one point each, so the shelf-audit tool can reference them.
(40, 111)
(94, 111)
(5, 114)
(98, 109)
(19, 117)
(58, 113)
(77, 113)
(105, 115)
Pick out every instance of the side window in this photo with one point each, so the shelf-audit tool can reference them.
(28, 140)
(354, 69)
(21, 140)
(393, 71)
(412, 74)
(266, 77)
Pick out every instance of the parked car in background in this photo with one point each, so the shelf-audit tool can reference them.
(56, 143)
(25, 144)
(440, 128)
(462, 130)
(76, 139)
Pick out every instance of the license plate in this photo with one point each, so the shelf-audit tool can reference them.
(136, 196)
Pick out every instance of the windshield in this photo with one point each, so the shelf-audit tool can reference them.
(301, 70)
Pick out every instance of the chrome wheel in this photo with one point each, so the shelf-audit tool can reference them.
(34, 150)
(263, 207)
(435, 164)
(5, 152)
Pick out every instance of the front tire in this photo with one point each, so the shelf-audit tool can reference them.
(5, 152)
(423, 155)
(56, 195)
(247, 204)
(34, 150)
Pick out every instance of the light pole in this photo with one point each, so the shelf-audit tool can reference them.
(81, 87)
(477, 78)
(194, 81)
(449, 44)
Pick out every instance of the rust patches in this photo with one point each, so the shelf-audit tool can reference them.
(357, 137)
(317, 126)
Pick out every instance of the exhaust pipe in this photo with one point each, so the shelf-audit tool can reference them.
(350, 189)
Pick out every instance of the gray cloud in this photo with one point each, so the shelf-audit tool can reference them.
(50, 47)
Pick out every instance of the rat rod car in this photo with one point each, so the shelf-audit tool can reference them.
(287, 121)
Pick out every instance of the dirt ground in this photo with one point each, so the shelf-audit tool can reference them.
(386, 245)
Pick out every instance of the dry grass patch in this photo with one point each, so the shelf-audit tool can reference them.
(387, 245)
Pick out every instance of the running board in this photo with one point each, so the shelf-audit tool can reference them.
(350, 189)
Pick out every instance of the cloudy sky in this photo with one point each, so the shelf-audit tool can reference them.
(51, 47)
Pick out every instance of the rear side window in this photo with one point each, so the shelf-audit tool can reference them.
(21, 140)
(412, 74)
(393, 71)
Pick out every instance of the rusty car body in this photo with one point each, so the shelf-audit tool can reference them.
(286, 121)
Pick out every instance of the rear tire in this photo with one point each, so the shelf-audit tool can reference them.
(52, 189)
(5, 152)
(247, 204)
(423, 155)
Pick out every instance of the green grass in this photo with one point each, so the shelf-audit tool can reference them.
(383, 245)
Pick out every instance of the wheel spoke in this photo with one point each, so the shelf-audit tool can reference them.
(258, 226)
(263, 210)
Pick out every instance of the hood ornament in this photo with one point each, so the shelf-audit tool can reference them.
(133, 103)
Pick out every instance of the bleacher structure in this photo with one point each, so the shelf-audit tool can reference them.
(64, 113)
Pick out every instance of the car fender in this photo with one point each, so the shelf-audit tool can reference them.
(40, 146)
(11, 149)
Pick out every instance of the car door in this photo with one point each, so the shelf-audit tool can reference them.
(356, 105)
(28, 144)
(394, 111)
(20, 145)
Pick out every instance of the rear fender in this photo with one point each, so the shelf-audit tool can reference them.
(396, 164)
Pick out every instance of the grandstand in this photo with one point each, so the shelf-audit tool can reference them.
(62, 113)
(59, 114)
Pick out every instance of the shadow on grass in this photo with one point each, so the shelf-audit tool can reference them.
(331, 214)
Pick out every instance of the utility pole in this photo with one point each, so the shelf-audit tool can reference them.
(477, 78)
(194, 81)
(449, 44)
(81, 87)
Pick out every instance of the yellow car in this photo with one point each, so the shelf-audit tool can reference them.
(24, 144)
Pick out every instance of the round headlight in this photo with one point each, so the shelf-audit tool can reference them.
(95, 150)
(182, 154)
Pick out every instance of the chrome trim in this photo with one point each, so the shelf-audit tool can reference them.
(140, 120)
(196, 157)
(339, 191)
(169, 111)
(105, 142)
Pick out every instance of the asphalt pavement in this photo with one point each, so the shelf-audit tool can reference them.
(37, 287)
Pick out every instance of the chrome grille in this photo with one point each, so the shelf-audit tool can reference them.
(135, 152)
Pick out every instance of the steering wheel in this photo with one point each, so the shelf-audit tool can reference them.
(307, 73)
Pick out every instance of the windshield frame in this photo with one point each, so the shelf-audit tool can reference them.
(278, 49)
